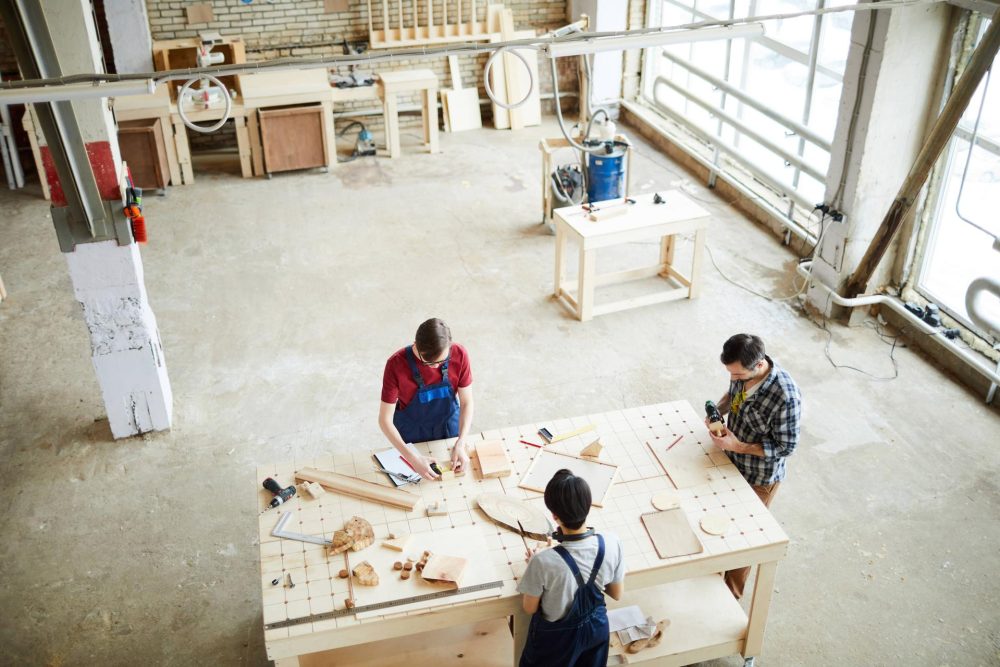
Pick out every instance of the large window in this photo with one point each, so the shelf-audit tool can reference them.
(768, 105)
(965, 223)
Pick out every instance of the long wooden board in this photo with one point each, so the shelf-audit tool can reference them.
(671, 533)
(352, 486)
(600, 475)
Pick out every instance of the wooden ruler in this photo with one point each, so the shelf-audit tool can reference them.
(383, 605)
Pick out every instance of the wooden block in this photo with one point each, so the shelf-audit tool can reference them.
(600, 475)
(314, 489)
(593, 450)
(359, 488)
(200, 13)
(445, 569)
(437, 508)
(493, 460)
(396, 543)
(361, 533)
(671, 533)
(365, 574)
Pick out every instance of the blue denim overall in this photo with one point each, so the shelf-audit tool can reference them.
(579, 639)
(433, 412)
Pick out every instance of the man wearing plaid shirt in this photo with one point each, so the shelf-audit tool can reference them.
(765, 409)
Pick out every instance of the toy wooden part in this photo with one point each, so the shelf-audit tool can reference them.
(444, 569)
(314, 489)
(437, 508)
(359, 488)
(716, 524)
(671, 533)
(718, 428)
(508, 511)
(365, 574)
(396, 543)
(593, 450)
(356, 535)
(600, 475)
(639, 644)
(666, 500)
(493, 460)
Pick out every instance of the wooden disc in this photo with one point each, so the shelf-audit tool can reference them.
(666, 500)
(508, 511)
(716, 524)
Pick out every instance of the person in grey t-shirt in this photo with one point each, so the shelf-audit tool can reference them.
(564, 587)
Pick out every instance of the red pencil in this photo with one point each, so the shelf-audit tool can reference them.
(679, 438)
(525, 442)
(408, 463)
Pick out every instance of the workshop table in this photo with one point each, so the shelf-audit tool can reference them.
(640, 221)
(706, 622)
(391, 84)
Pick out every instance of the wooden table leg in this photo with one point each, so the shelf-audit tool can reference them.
(521, 622)
(329, 135)
(585, 290)
(183, 149)
(243, 146)
(431, 120)
(391, 113)
(256, 149)
(560, 260)
(699, 251)
(666, 255)
(762, 590)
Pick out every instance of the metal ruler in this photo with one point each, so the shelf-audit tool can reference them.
(280, 532)
(382, 605)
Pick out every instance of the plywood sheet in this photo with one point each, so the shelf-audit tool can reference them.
(686, 463)
(671, 533)
(467, 542)
(600, 475)
(530, 111)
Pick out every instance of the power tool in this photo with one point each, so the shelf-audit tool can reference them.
(280, 495)
(715, 423)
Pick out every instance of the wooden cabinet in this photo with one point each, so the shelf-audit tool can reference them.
(293, 137)
(183, 54)
(143, 148)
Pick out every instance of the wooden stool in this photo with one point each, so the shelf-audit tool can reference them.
(392, 83)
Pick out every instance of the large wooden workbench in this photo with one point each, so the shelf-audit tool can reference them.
(706, 622)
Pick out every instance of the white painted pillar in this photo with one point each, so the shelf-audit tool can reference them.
(108, 278)
(131, 41)
(899, 99)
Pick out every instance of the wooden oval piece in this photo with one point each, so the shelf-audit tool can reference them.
(666, 500)
(508, 511)
(716, 524)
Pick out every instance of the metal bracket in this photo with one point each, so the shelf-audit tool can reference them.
(113, 227)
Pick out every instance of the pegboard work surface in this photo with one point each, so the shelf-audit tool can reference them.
(632, 439)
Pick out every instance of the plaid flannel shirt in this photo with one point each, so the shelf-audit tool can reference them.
(771, 417)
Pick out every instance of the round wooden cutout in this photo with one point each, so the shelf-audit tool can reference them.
(666, 500)
(716, 524)
(508, 511)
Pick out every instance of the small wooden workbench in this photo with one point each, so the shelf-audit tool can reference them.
(641, 221)
(706, 622)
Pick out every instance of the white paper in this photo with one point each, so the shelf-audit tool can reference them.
(390, 459)
(626, 617)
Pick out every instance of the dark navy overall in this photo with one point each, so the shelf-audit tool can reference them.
(433, 412)
(579, 639)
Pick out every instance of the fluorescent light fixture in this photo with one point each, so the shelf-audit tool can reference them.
(76, 91)
(578, 45)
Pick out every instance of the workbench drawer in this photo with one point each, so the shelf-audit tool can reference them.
(293, 137)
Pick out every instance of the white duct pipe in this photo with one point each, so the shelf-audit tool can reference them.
(976, 289)
(970, 357)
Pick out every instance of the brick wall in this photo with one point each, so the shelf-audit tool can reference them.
(282, 28)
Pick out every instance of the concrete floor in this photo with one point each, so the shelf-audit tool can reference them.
(279, 301)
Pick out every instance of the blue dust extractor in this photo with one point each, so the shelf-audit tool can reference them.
(606, 175)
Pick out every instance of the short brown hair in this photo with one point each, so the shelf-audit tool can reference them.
(744, 348)
(433, 337)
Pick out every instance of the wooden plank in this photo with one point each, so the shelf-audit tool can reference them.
(671, 533)
(762, 591)
(686, 464)
(937, 139)
(600, 475)
(359, 488)
(493, 461)
(513, 71)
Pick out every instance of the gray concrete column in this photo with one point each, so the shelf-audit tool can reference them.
(131, 41)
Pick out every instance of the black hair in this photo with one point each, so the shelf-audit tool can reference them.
(568, 497)
(432, 339)
(744, 348)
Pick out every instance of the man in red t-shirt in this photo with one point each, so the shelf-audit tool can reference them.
(427, 395)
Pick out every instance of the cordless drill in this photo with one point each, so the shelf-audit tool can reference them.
(280, 495)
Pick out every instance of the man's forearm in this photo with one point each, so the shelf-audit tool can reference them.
(753, 449)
